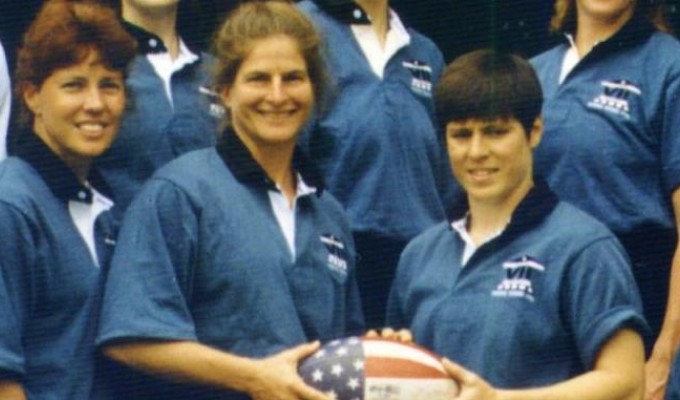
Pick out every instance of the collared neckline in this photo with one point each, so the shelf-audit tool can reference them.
(55, 173)
(461, 226)
(241, 163)
(345, 11)
(149, 43)
(536, 205)
(636, 30)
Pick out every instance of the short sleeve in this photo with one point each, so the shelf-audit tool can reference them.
(16, 249)
(600, 297)
(148, 285)
(670, 135)
(395, 316)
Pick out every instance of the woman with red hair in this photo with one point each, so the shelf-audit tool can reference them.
(56, 228)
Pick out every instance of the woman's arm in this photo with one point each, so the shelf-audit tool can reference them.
(11, 390)
(272, 378)
(618, 374)
(659, 364)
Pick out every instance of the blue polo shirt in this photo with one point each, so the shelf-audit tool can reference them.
(611, 144)
(50, 284)
(155, 130)
(377, 145)
(531, 307)
(202, 258)
(673, 388)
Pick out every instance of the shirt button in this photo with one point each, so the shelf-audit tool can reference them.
(357, 13)
(153, 43)
(82, 195)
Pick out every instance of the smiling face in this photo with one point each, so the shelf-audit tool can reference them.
(272, 96)
(607, 11)
(492, 160)
(77, 110)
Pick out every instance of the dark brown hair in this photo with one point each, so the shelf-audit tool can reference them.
(63, 34)
(564, 16)
(256, 20)
(488, 84)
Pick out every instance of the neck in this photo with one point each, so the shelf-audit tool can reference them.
(81, 169)
(488, 218)
(377, 11)
(592, 30)
(276, 161)
(79, 165)
(162, 22)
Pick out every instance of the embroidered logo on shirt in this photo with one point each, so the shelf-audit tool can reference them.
(421, 77)
(518, 281)
(337, 261)
(217, 109)
(615, 97)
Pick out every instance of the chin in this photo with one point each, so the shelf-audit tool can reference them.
(92, 151)
(282, 136)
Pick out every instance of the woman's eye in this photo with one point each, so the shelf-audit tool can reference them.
(295, 78)
(460, 134)
(72, 85)
(495, 131)
(258, 78)
(111, 86)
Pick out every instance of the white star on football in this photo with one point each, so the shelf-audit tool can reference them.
(337, 370)
(317, 376)
(353, 384)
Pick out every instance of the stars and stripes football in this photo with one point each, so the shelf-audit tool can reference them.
(377, 369)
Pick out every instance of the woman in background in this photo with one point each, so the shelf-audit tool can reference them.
(377, 145)
(172, 108)
(612, 145)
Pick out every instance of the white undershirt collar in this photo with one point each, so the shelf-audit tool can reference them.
(571, 58)
(84, 216)
(460, 226)
(165, 66)
(285, 214)
(377, 56)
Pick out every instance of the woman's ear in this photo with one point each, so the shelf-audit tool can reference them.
(224, 95)
(536, 133)
(32, 98)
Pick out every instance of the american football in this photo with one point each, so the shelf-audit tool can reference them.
(377, 369)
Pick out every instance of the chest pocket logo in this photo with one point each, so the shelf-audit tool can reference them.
(421, 77)
(519, 278)
(615, 97)
(337, 254)
(217, 109)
